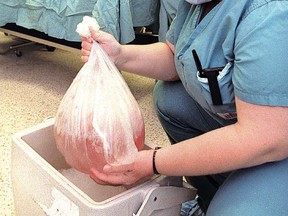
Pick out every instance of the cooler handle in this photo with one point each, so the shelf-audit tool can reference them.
(165, 197)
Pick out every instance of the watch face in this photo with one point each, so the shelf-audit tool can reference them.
(198, 1)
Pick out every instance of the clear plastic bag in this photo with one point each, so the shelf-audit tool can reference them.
(98, 120)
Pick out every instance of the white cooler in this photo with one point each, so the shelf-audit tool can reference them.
(44, 184)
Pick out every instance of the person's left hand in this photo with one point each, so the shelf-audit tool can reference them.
(126, 174)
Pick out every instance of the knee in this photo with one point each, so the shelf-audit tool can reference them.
(170, 99)
(256, 191)
(164, 99)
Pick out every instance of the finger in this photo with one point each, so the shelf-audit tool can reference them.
(84, 58)
(118, 169)
(98, 181)
(101, 36)
(85, 52)
(95, 176)
(93, 31)
(111, 179)
(94, 34)
(89, 40)
(86, 45)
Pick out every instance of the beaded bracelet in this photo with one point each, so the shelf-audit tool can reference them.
(153, 161)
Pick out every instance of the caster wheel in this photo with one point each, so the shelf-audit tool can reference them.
(50, 49)
(18, 53)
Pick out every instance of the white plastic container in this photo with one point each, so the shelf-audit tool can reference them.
(41, 188)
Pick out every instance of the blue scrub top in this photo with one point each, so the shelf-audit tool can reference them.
(248, 38)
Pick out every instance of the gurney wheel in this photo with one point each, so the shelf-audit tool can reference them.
(50, 48)
(18, 53)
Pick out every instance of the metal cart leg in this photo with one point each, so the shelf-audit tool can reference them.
(16, 47)
(24, 43)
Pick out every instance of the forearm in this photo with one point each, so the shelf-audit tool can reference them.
(154, 60)
(259, 136)
(218, 151)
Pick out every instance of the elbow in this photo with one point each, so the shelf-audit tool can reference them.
(275, 151)
(280, 152)
(173, 78)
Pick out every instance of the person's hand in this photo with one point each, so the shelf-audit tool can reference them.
(86, 48)
(110, 45)
(126, 174)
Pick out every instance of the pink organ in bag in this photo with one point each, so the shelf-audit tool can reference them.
(98, 120)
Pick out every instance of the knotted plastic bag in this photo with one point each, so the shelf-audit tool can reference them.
(98, 120)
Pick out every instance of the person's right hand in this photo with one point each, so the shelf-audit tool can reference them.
(110, 45)
(128, 174)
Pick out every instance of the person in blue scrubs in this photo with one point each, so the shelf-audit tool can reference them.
(167, 12)
(222, 98)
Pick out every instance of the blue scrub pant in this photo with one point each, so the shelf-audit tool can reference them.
(260, 190)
